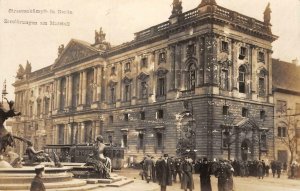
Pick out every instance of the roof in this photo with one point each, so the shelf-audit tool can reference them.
(286, 76)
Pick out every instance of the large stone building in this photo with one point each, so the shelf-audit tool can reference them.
(202, 80)
(286, 90)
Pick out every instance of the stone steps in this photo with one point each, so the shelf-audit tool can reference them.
(64, 185)
(27, 178)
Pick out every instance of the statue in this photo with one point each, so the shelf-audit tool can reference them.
(177, 7)
(36, 156)
(267, 15)
(28, 68)
(20, 72)
(99, 36)
(101, 163)
(6, 138)
(60, 49)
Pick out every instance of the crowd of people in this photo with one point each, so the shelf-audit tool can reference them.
(167, 170)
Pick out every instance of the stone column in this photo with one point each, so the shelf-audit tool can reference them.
(172, 56)
(95, 85)
(58, 92)
(253, 57)
(99, 83)
(80, 88)
(269, 74)
(84, 83)
(70, 88)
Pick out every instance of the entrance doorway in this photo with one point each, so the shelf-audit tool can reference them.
(245, 149)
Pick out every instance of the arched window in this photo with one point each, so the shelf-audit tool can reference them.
(191, 77)
(242, 81)
(262, 83)
(224, 79)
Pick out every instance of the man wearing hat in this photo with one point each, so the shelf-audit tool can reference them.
(37, 183)
(205, 172)
(164, 174)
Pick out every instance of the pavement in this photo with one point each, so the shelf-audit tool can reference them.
(240, 183)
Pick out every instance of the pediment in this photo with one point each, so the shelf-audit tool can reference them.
(75, 51)
(127, 80)
(142, 76)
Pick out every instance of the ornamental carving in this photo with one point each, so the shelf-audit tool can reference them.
(161, 71)
(74, 52)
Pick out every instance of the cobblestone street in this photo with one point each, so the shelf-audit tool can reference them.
(241, 184)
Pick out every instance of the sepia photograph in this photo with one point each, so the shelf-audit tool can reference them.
(150, 95)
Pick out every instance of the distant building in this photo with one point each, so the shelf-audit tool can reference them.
(286, 89)
(196, 79)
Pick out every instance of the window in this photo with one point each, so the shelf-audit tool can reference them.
(160, 114)
(161, 57)
(161, 86)
(113, 95)
(47, 106)
(141, 140)
(39, 107)
(281, 132)
(191, 78)
(89, 87)
(261, 56)
(262, 115)
(61, 132)
(40, 90)
(124, 141)
(224, 79)
(126, 117)
(144, 90)
(242, 54)
(127, 92)
(30, 110)
(159, 140)
(110, 139)
(297, 108)
(225, 110)
(263, 142)
(224, 46)
(111, 119)
(190, 50)
(242, 84)
(142, 115)
(144, 62)
(281, 106)
(113, 70)
(244, 112)
(75, 90)
(262, 84)
(127, 67)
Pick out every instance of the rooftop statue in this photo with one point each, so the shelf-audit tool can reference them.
(177, 7)
(28, 67)
(60, 49)
(267, 14)
(20, 72)
(99, 36)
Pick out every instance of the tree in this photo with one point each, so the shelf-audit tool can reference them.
(287, 127)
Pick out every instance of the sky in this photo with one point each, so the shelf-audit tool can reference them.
(119, 19)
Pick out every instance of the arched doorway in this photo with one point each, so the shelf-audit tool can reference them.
(245, 149)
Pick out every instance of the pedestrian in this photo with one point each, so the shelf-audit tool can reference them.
(260, 170)
(278, 168)
(178, 169)
(37, 182)
(293, 170)
(164, 174)
(147, 168)
(187, 174)
(223, 174)
(273, 167)
(153, 169)
(205, 172)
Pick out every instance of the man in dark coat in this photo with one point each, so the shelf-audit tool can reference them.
(223, 173)
(164, 174)
(37, 183)
(205, 172)
(278, 168)
(187, 175)
(147, 168)
(178, 168)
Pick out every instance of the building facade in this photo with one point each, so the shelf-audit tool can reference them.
(286, 90)
(201, 82)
